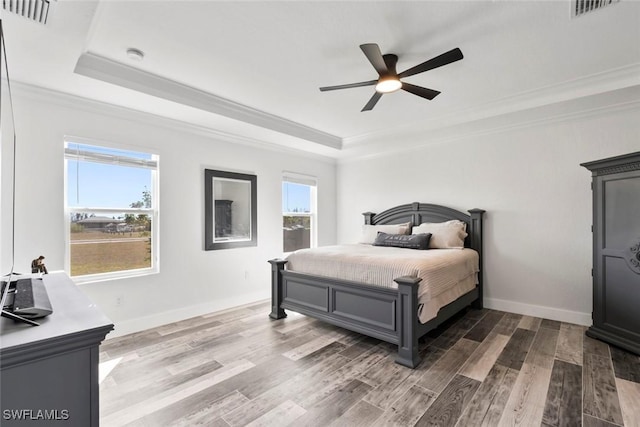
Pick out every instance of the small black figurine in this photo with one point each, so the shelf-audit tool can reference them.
(37, 265)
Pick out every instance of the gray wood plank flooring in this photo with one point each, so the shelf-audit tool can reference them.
(482, 368)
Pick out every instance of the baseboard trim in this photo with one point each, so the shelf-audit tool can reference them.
(551, 313)
(159, 319)
(147, 322)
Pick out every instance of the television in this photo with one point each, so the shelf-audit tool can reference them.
(8, 277)
(7, 165)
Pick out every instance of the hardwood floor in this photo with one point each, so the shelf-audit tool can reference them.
(483, 368)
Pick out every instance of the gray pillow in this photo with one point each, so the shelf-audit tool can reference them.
(369, 232)
(408, 241)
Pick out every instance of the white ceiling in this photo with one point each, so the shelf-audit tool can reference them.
(253, 68)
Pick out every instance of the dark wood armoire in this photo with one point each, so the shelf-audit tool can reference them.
(223, 218)
(616, 250)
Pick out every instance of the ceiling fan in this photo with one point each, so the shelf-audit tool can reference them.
(389, 80)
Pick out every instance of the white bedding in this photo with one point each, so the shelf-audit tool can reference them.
(446, 273)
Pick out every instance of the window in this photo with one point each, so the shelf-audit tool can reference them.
(298, 212)
(111, 211)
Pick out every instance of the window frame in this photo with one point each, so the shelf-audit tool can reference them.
(154, 166)
(312, 182)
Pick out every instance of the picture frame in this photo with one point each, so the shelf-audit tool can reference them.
(230, 210)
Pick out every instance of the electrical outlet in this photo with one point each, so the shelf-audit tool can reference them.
(119, 300)
(246, 275)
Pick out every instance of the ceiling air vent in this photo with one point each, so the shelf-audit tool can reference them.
(34, 10)
(580, 7)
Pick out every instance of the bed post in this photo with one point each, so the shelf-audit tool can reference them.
(368, 216)
(475, 234)
(277, 265)
(407, 321)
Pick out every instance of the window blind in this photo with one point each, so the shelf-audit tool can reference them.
(111, 159)
(297, 178)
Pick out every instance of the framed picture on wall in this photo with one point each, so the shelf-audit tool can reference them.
(230, 211)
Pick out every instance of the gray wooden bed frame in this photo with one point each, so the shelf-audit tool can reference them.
(388, 314)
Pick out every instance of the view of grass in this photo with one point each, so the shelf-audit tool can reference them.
(95, 251)
(104, 257)
(98, 235)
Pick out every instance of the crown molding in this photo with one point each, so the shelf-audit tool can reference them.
(622, 100)
(607, 81)
(76, 102)
(104, 69)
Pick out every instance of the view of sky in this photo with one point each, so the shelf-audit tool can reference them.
(295, 197)
(101, 185)
(105, 186)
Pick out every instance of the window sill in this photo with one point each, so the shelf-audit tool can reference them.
(104, 277)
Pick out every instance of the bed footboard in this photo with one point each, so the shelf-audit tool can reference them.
(383, 313)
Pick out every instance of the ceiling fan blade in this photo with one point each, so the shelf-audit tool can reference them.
(348, 86)
(372, 102)
(446, 58)
(420, 91)
(373, 54)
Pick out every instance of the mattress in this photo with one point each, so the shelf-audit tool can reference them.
(446, 273)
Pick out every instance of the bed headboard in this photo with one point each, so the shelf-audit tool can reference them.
(417, 213)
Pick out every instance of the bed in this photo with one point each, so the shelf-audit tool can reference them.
(389, 313)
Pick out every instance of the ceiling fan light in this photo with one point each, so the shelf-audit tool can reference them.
(388, 85)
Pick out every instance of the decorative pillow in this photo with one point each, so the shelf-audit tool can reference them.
(444, 235)
(369, 232)
(408, 241)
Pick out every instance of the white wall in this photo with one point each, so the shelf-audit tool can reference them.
(191, 281)
(537, 197)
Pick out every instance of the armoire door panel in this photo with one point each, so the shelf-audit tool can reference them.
(621, 211)
(621, 295)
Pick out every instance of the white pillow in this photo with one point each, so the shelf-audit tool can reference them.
(370, 232)
(444, 235)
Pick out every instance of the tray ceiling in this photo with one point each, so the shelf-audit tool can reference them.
(253, 69)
